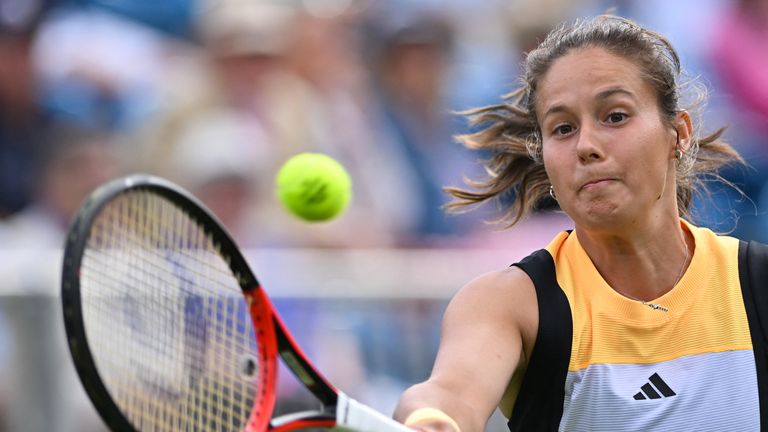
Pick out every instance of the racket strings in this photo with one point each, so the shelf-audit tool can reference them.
(166, 320)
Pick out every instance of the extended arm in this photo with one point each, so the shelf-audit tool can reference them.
(481, 346)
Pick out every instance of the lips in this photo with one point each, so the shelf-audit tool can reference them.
(596, 182)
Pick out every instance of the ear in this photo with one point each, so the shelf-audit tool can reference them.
(684, 130)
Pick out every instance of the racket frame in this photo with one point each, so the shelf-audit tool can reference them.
(279, 340)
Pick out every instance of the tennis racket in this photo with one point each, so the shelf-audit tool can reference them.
(169, 328)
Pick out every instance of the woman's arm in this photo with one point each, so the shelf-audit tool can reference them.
(484, 331)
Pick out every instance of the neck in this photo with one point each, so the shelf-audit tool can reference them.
(644, 265)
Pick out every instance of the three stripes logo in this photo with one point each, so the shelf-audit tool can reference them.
(655, 388)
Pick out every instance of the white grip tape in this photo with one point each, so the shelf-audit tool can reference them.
(351, 415)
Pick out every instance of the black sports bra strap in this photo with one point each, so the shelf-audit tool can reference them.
(753, 276)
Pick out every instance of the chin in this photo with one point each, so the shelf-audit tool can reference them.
(600, 216)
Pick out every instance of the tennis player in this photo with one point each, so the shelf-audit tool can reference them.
(636, 319)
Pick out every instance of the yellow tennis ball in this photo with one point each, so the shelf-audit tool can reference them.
(314, 186)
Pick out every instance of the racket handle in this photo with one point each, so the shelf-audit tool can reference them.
(351, 415)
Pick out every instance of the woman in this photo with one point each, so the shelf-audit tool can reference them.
(636, 319)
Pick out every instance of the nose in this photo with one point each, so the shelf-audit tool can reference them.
(588, 147)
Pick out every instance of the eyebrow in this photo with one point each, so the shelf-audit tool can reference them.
(605, 94)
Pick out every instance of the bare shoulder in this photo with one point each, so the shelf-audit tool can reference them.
(508, 285)
(505, 295)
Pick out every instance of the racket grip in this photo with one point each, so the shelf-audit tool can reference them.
(351, 415)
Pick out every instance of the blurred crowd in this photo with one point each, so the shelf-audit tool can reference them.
(216, 94)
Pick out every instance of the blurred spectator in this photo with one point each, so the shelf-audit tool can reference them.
(100, 69)
(20, 116)
(75, 161)
(324, 52)
(411, 70)
(220, 158)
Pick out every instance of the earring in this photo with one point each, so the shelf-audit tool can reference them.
(552, 192)
(678, 154)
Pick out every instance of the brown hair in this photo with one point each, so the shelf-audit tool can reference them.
(510, 131)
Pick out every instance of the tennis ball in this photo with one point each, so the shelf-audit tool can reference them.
(314, 186)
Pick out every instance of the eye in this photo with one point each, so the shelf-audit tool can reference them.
(562, 129)
(616, 117)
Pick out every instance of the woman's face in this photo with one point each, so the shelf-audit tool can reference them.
(607, 152)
